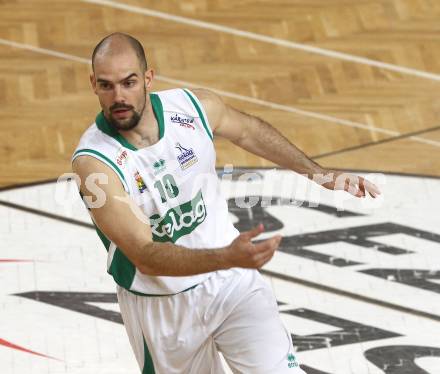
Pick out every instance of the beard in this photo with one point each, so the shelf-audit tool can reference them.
(129, 123)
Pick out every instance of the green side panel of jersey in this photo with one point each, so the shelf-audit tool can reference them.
(103, 238)
(148, 361)
(122, 270)
(178, 221)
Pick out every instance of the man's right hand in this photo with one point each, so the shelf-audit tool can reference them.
(245, 254)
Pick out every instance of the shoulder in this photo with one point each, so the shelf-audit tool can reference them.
(92, 138)
(97, 152)
(207, 97)
(213, 104)
(86, 164)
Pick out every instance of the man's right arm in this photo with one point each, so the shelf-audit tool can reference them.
(118, 217)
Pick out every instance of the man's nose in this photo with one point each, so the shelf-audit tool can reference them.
(118, 94)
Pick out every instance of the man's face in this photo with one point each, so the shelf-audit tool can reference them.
(121, 87)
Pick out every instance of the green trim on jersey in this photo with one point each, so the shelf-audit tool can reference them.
(148, 361)
(104, 159)
(158, 113)
(199, 110)
(103, 238)
(108, 129)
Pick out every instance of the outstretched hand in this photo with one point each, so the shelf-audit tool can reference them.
(353, 184)
(245, 254)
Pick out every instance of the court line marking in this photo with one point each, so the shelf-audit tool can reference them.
(46, 214)
(269, 104)
(285, 277)
(266, 39)
(352, 295)
(370, 144)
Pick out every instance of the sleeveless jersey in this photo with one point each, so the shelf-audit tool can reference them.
(174, 182)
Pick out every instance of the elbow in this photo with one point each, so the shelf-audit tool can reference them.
(243, 139)
(146, 270)
(239, 141)
(143, 263)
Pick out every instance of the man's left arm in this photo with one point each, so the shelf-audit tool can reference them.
(260, 138)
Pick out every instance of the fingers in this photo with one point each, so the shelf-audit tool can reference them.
(263, 259)
(366, 186)
(355, 185)
(265, 250)
(361, 190)
(350, 185)
(372, 189)
(257, 230)
(244, 253)
(359, 186)
(268, 245)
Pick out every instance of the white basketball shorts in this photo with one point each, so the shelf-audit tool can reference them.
(233, 312)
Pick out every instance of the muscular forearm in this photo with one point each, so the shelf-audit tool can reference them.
(173, 260)
(263, 140)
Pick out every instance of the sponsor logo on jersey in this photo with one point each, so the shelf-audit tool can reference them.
(186, 158)
(159, 166)
(140, 182)
(121, 158)
(184, 121)
(291, 361)
(179, 221)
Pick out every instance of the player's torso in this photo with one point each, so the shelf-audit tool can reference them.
(173, 182)
(174, 179)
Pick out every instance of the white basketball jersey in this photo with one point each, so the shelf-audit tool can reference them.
(173, 181)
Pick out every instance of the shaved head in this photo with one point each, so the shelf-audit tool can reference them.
(121, 80)
(119, 43)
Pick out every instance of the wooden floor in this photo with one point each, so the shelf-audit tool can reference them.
(357, 110)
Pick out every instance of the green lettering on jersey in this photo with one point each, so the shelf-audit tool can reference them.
(178, 221)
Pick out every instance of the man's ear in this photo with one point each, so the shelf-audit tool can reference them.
(148, 77)
(93, 82)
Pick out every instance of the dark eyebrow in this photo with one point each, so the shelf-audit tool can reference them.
(100, 80)
(131, 75)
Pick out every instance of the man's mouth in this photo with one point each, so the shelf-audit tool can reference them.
(121, 112)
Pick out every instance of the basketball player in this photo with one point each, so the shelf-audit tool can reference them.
(187, 282)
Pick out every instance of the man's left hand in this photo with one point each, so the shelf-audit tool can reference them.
(353, 184)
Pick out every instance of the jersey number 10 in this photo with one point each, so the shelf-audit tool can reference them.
(167, 187)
